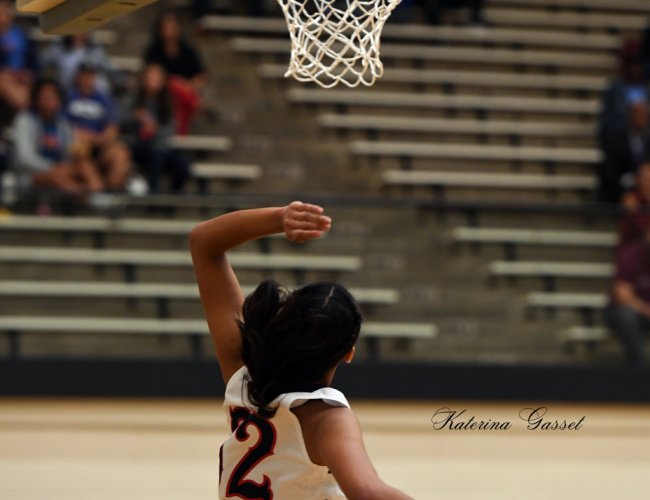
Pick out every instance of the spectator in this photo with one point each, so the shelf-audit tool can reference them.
(17, 65)
(62, 59)
(46, 155)
(432, 9)
(92, 116)
(628, 87)
(629, 312)
(624, 150)
(645, 52)
(153, 124)
(182, 63)
(636, 204)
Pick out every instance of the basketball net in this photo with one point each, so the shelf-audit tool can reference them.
(336, 41)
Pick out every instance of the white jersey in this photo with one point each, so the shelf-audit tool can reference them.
(266, 458)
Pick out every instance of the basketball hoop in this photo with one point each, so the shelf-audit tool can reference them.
(336, 41)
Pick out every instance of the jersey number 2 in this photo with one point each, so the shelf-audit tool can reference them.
(240, 420)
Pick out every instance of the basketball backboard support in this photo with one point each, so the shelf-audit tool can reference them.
(69, 17)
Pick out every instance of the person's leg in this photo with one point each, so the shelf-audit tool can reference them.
(151, 163)
(116, 159)
(61, 177)
(187, 103)
(628, 325)
(177, 166)
(87, 172)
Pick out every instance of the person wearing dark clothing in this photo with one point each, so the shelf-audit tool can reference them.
(183, 65)
(636, 205)
(624, 150)
(153, 125)
(629, 312)
(629, 86)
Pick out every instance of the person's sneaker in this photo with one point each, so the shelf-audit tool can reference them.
(137, 186)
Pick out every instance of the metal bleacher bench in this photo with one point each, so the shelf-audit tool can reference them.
(549, 271)
(160, 292)
(99, 227)
(101, 37)
(408, 124)
(438, 181)
(424, 33)
(406, 151)
(209, 143)
(476, 55)
(585, 303)
(230, 172)
(127, 64)
(589, 335)
(130, 259)
(194, 329)
(451, 78)
(509, 238)
(575, 20)
(420, 100)
(622, 5)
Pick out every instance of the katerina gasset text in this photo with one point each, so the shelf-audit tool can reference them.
(533, 419)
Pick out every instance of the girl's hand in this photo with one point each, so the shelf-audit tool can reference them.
(302, 221)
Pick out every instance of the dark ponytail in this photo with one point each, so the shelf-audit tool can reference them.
(291, 340)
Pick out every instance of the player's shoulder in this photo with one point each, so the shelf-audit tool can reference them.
(320, 421)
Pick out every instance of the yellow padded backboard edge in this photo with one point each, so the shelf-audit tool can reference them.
(36, 6)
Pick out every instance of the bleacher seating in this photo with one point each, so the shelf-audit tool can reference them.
(456, 55)
(424, 33)
(194, 329)
(409, 124)
(524, 90)
(483, 79)
(411, 150)
(419, 101)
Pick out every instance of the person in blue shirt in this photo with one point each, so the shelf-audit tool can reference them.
(17, 65)
(16, 51)
(92, 115)
(46, 154)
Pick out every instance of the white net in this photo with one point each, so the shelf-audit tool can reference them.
(336, 41)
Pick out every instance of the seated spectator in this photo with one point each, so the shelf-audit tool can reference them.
(636, 204)
(624, 150)
(17, 65)
(629, 312)
(153, 125)
(45, 152)
(62, 59)
(92, 116)
(182, 63)
(629, 86)
(433, 8)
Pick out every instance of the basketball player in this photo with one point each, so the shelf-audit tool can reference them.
(293, 437)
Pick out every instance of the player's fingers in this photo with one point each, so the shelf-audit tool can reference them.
(299, 235)
(310, 217)
(308, 222)
(309, 208)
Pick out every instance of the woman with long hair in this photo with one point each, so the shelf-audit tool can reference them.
(293, 436)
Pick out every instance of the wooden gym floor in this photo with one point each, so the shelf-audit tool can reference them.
(167, 449)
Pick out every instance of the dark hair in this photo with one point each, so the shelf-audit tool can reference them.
(40, 84)
(155, 30)
(163, 101)
(291, 340)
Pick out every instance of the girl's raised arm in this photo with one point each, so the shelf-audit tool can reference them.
(220, 292)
